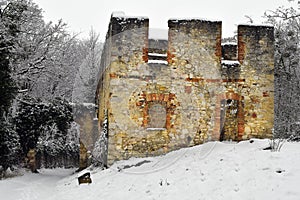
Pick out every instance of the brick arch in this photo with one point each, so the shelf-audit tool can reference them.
(143, 97)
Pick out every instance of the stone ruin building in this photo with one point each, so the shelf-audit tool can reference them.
(155, 96)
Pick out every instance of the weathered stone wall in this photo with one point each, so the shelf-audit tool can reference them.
(194, 58)
(128, 39)
(158, 46)
(195, 48)
(154, 108)
(256, 55)
(84, 116)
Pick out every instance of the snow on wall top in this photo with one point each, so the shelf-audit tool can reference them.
(158, 62)
(229, 43)
(157, 54)
(194, 18)
(121, 15)
(256, 24)
(118, 14)
(230, 62)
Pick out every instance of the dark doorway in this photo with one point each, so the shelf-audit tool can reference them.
(229, 119)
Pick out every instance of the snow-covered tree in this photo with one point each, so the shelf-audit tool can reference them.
(9, 140)
(39, 62)
(38, 117)
(8, 30)
(9, 146)
(287, 71)
(101, 146)
(58, 149)
(45, 57)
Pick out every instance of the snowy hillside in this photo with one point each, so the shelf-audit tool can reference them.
(211, 171)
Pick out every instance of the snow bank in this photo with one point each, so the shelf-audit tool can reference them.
(211, 171)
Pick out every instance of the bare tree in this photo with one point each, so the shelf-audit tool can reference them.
(86, 78)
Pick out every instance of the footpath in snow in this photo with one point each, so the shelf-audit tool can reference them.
(213, 171)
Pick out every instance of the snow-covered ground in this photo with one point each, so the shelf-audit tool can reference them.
(211, 171)
(33, 186)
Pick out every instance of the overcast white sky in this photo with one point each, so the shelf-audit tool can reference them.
(82, 15)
